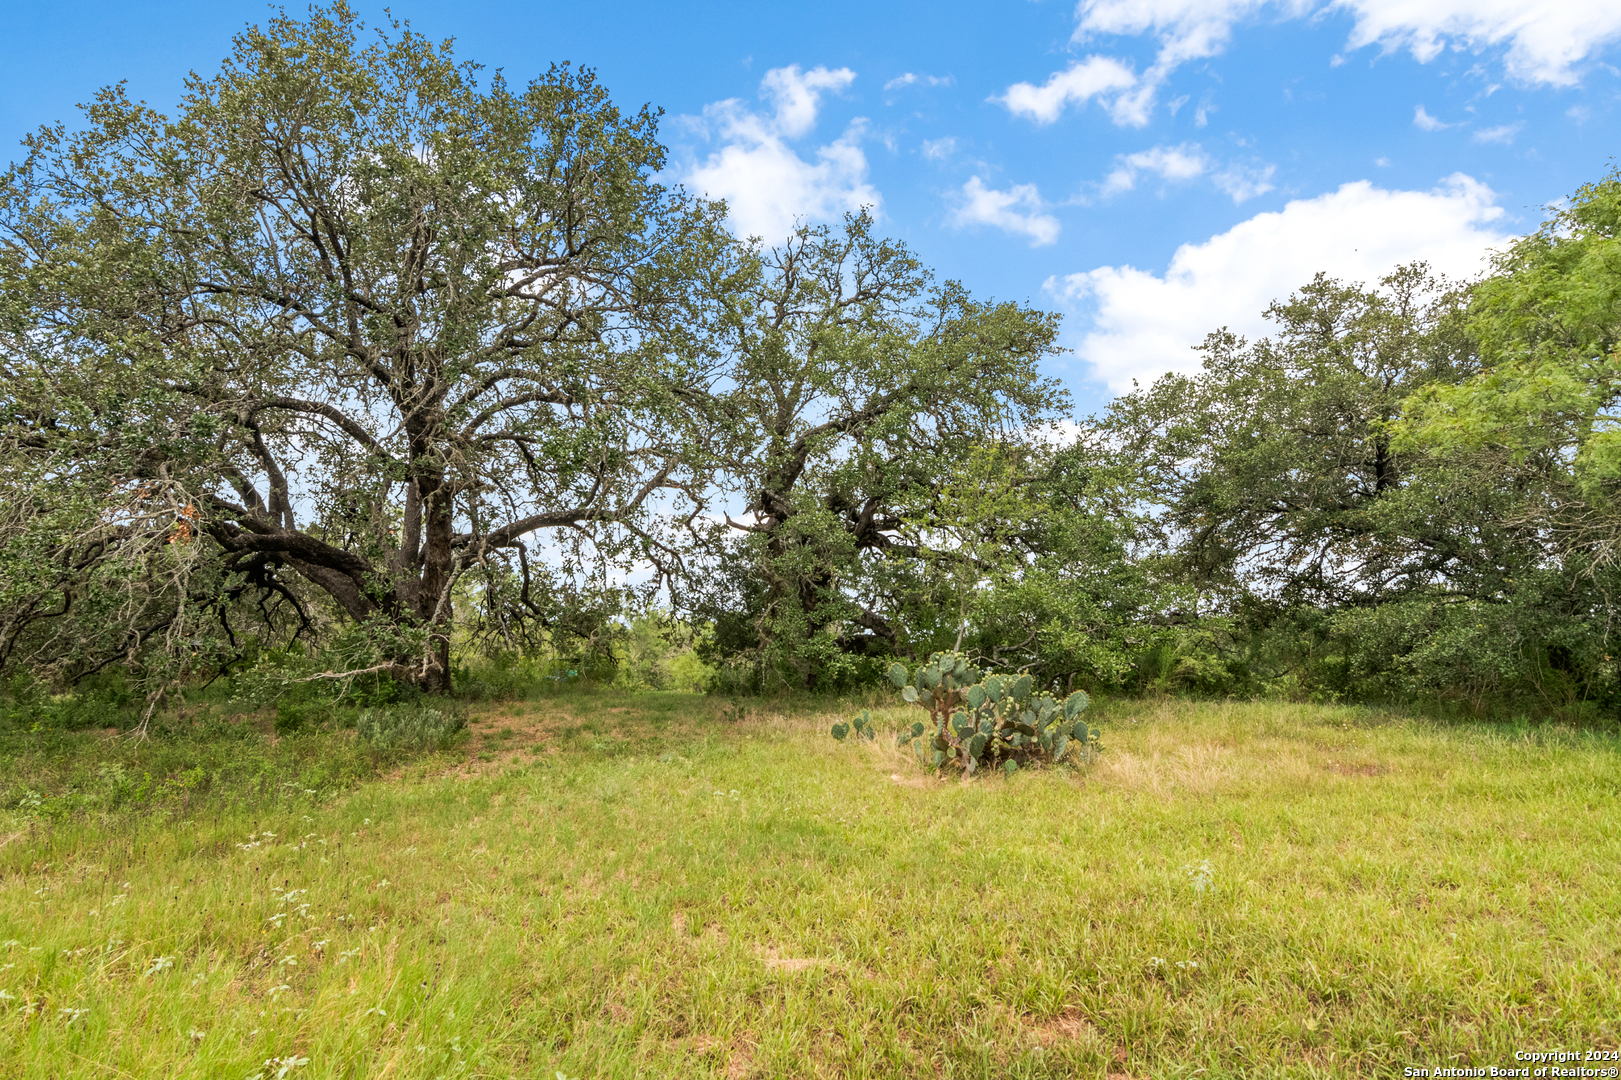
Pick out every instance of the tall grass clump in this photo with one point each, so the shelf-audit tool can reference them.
(415, 726)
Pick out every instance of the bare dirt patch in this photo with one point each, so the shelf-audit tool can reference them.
(774, 960)
(913, 781)
(1066, 1027)
(701, 1044)
(740, 1063)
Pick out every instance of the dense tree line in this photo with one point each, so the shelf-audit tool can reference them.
(357, 353)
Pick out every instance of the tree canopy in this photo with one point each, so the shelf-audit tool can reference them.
(1548, 320)
(347, 316)
(852, 390)
(362, 348)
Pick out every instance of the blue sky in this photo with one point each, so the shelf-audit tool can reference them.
(1153, 168)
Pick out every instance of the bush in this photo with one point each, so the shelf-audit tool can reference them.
(100, 701)
(416, 726)
(978, 719)
(293, 717)
(688, 672)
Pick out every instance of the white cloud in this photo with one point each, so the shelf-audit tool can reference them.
(1096, 76)
(797, 95)
(980, 205)
(1183, 162)
(767, 185)
(1425, 122)
(939, 149)
(1188, 162)
(912, 78)
(1503, 133)
(1541, 41)
(1245, 181)
(1187, 29)
(1145, 324)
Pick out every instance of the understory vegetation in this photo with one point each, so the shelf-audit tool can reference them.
(606, 884)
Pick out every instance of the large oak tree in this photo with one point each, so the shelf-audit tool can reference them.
(348, 321)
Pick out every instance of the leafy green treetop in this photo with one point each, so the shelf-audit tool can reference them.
(359, 322)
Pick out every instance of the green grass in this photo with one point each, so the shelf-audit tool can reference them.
(633, 886)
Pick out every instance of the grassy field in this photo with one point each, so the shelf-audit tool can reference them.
(602, 885)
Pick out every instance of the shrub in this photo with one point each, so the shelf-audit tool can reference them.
(415, 726)
(978, 719)
(293, 717)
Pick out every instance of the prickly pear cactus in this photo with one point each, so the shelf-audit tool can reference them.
(861, 726)
(979, 719)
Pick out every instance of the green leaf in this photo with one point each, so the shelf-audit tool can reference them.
(1060, 744)
(976, 697)
(897, 675)
(1076, 704)
(1011, 766)
(917, 730)
(909, 693)
(1021, 687)
(840, 730)
(976, 746)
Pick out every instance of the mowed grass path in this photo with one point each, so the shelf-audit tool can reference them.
(633, 887)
